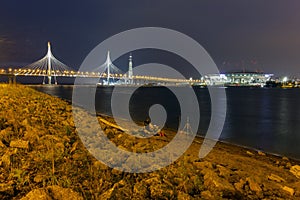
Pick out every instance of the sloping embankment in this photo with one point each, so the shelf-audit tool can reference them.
(42, 157)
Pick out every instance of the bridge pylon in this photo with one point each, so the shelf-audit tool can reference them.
(49, 54)
(48, 67)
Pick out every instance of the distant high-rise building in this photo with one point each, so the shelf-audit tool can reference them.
(130, 73)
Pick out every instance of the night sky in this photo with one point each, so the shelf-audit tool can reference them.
(238, 34)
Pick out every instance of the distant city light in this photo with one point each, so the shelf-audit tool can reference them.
(285, 79)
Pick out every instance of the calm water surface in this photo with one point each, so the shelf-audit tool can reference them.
(260, 118)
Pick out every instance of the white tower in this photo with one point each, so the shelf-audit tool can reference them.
(130, 73)
(108, 63)
(49, 54)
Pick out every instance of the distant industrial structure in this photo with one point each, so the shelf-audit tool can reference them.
(238, 79)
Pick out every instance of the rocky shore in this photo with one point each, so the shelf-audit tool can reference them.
(42, 157)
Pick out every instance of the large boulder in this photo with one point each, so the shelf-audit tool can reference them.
(53, 193)
(276, 178)
(20, 144)
(254, 184)
(295, 170)
(37, 194)
(289, 190)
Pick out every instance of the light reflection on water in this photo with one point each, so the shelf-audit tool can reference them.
(265, 119)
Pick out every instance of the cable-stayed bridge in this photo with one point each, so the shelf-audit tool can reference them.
(50, 68)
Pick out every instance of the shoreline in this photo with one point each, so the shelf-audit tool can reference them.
(197, 136)
(42, 154)
(223, 141)
(201, 138)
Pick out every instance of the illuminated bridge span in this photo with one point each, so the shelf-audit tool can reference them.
(49, 67)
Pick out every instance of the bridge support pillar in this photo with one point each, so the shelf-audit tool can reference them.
(49, 80)
(9, 80)
(12, 80)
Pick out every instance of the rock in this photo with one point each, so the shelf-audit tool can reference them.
(285, 158)
(74, 147)
(240, 185)
(250, 153)
(31, 136)
(59, 148)
(6, 188)
(295, 170)
(261, 153)
(276, 178)
(140, 190)
(289, 190)
(52, 192)
(21, 144)
(2, 145)
(6, 159)
(37, 194)
(38, 178)
(202, 165)
(6, 135)
(116, 172)
(206, 195)
(188, 186)
(25, 123)
(100, 166)
(108, 194)
(152, 180)
(223, 171)
(213, 181)
(77, 156)
(253, 184)
(59, 193)
(157, 191)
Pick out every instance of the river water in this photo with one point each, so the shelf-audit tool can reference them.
(267, 119)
